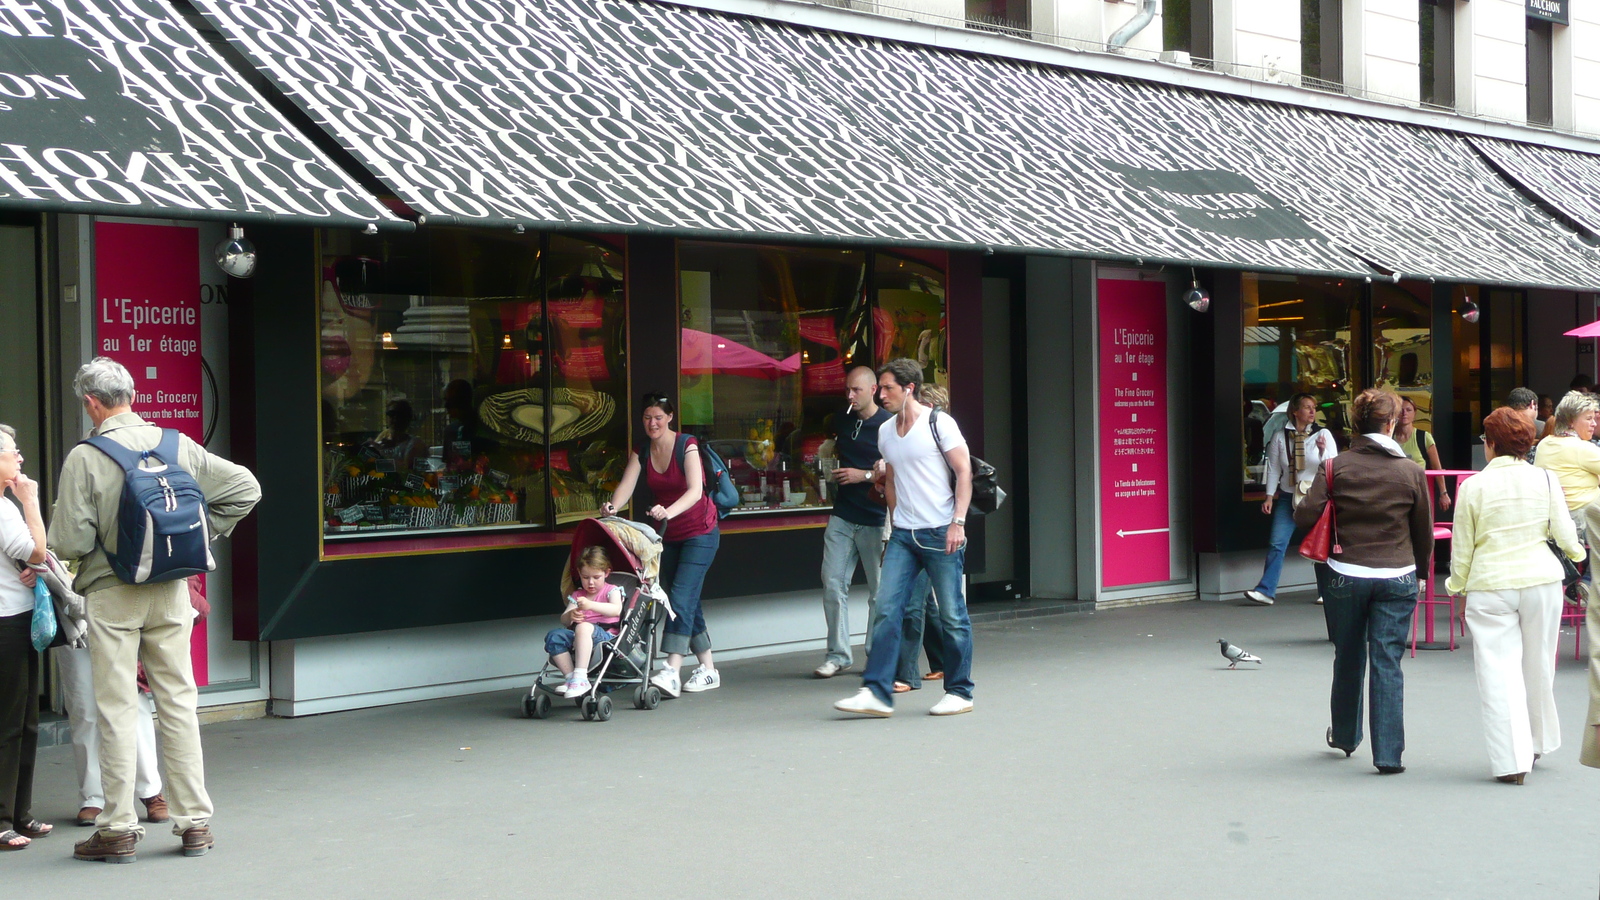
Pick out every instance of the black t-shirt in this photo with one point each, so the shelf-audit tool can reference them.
(855, 441)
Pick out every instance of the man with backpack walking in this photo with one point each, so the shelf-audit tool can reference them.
(929, 488)
(134, 548)
(855, 528)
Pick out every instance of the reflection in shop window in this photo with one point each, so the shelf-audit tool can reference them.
(444, 404)
(1402, 344)
(1300, 335)
(768, 336)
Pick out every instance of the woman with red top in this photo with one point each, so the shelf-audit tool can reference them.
(690, 542)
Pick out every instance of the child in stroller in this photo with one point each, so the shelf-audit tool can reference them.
(591, 617)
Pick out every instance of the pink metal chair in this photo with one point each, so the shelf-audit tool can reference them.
(1430, 597)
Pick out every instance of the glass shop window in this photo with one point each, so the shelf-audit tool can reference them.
(1301, 335)
(768, 334)
(1402, 344)
(469, 380)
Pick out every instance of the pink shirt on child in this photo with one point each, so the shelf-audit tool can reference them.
(613, 595)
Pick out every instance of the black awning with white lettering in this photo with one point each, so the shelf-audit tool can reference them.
(633, 115)
(119, 107)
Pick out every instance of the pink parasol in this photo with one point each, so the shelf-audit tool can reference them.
(1582, 331)
(706, 354)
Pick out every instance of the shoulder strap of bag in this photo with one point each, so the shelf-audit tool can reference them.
(1333, 520)
(122, 456)
(933, 425)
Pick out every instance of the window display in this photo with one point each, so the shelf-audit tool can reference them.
(910, 318)
(468, 380)
(1301, 334)
(767, 336)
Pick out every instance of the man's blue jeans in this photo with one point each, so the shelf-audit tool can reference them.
(1282, 532)
(843, 545)
(912, 551)
(1370, 616)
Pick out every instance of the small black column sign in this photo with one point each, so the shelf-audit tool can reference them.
(1557, 11)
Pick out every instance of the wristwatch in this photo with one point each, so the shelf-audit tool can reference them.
(868, 476)
(961, 522)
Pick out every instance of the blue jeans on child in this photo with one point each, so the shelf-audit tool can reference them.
(922, 632)
(912, 551)
(560, 640)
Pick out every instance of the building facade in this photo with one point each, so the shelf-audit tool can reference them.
(486, 228)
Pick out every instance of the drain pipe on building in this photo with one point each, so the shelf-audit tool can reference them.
(1147, 12)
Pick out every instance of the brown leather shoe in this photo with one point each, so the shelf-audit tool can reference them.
(155, 809)
(111, 848)
(197, 840)
(87, 815)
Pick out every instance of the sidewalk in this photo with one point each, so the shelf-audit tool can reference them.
(1110, 755)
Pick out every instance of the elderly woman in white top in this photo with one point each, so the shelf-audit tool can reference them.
(1294, 454)
(1513, 586)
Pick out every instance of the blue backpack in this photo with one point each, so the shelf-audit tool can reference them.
(162, 531)
(718, 484)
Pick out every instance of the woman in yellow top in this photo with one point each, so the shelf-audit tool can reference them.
(1568, 453)
(1513, 588)
(1420, 447)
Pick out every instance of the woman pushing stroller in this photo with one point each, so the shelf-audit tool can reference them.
(592, 615)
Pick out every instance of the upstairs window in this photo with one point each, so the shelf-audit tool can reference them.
(1541, 78)
(1321, 44)
(1436, 26)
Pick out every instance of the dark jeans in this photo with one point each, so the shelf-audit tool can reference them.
(910, 553)
(1370, 617)
(19, 718)
(922, 628)
(683, 573)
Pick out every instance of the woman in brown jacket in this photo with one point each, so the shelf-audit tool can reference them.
(1384, 529)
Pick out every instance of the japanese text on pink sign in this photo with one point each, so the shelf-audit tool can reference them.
(1135, 527)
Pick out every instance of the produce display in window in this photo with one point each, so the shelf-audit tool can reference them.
(434, 381)
(768, 335)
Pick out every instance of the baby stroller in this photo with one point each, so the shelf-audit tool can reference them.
(627, 659)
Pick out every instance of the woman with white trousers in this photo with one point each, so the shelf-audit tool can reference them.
(1512, 581)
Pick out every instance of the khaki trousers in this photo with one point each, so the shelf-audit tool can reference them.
(148, 622)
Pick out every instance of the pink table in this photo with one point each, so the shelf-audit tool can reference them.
(1427, 600)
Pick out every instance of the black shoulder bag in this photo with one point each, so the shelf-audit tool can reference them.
(986, 492)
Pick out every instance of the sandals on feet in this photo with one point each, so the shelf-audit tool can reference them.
(936, 675)
(900, 687)
(8, 841)
(33, 828)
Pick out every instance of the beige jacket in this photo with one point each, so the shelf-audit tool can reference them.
(85, 516)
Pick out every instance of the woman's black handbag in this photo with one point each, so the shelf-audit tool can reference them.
(1569, 569)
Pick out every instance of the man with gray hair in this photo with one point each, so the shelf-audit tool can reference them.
(130, 623)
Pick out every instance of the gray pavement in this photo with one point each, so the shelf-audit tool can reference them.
(1111, 754)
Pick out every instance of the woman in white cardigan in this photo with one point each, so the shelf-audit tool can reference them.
(1513, 585)
(1294, 454)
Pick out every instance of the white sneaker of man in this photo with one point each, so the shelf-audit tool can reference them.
(865, 703)
(1255, 596)
(702, 679)
(666, 680)
(951, 705)
(829, 669)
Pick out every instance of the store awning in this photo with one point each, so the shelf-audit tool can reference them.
(1565, 181)
(119, 107)
(622, 114)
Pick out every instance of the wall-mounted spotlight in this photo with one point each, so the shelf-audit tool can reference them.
(1198, 298)
(235, 254)
(1469, 312)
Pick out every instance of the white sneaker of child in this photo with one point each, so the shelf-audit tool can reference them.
(577, 685)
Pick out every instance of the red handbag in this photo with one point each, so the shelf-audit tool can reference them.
(1323, 540)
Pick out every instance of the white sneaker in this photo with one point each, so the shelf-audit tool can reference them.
(951, 705)
(666, 680)
(577, 687)
(702, 679)
(865, 703)
(1319, 599)
(829, 669)
(1256, 596)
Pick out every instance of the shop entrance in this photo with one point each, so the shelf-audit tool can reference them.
(21, 404)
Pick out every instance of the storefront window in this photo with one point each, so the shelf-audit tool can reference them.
(444, 406)
(767, 336)
(910, 317)
(1488, 356)
(1402, 344)
(1300, 335)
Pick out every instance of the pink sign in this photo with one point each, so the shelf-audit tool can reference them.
(1135, 528)
(147, 290)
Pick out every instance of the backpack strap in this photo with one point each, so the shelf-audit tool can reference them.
(122, 456)
(167, 450)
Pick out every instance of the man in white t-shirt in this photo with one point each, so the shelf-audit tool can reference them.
(929, 487)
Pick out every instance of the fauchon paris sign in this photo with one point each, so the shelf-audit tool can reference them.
(1557, 11)
(118, 106)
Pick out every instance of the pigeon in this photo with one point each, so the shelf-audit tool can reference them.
(1236, 655)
